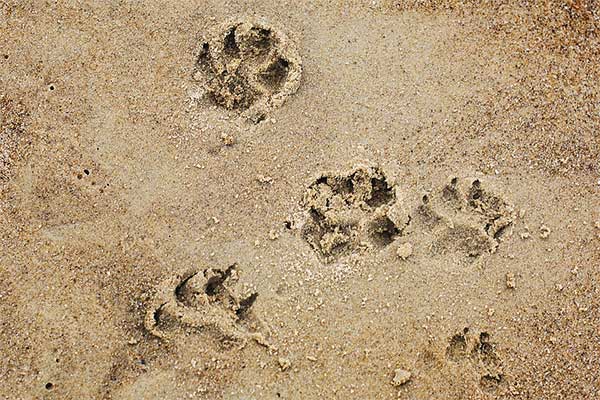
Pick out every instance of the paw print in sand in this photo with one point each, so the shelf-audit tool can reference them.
(352, 210)
(204, 301)
(15, 140)
(465, 217)
(249, 67)
(474, 352)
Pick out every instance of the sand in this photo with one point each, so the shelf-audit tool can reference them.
(299, 200)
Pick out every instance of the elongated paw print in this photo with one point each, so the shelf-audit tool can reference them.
(474, 351)
(249, 67)
(203, 300)
(357, 209)
(14, 138)
(466, 217)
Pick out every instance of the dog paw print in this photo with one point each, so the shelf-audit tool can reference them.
(475, 352)
(204, 300)
(14, 138)
(466, 217)
(352, 210)
(249, 67)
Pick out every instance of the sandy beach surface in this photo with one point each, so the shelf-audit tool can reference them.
(300, 199)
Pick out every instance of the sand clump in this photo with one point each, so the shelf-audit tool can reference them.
(401, 377)
(511, 280)
(404, 250)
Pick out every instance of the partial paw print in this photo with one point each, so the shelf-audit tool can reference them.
(204, 301)
(15, 140)
(357, 209)
(466, 217)
(249, 67)
(476, 352)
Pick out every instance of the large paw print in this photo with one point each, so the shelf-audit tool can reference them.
(466, 217)
(204, 301)
(249, 67)
(350, 211)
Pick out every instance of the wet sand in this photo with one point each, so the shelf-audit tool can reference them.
(299, 200)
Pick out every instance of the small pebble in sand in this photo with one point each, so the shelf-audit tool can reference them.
(525, 235)
(264, 179)
(284, 363)
(404, 251)
(511, 282)
(197, 76)
(401, 376)
(544, 232)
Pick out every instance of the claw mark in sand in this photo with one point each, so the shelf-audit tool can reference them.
(249, 67)
(203, 300)
(351, 210)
